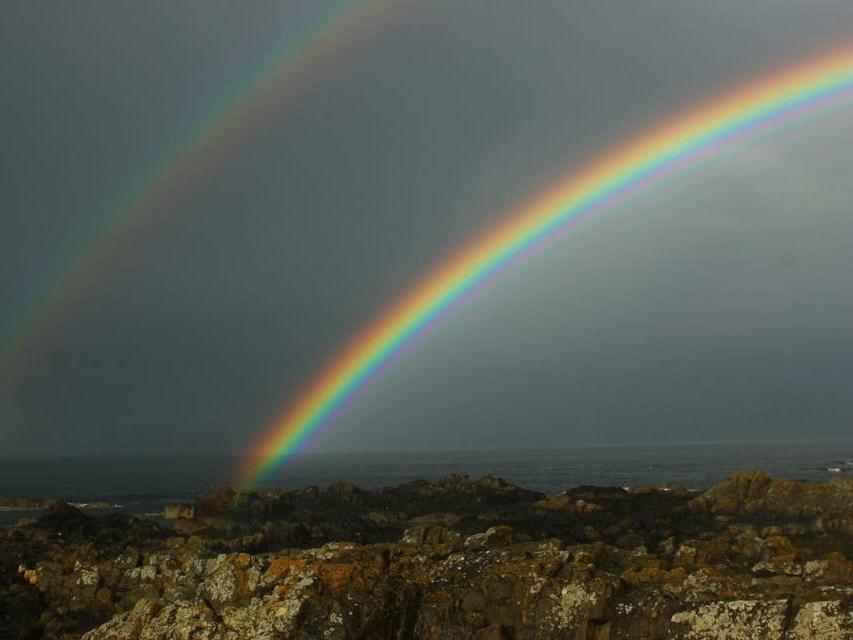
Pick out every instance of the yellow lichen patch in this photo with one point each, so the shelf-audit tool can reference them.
(734, 620)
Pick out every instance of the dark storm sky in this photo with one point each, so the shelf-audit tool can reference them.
(716, 307)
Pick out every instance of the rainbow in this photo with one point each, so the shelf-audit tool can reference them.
(317, 42)
(763, 104)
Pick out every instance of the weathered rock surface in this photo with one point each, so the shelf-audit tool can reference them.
(34, 504)
(756, 493)
(754, 558)
(30, 504)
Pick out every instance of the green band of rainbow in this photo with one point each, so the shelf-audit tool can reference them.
(318, 41)
(683, 140)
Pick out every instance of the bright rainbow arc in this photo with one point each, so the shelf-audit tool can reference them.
(766, 103)
(276, 77)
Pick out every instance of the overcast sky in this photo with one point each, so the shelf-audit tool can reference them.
(718, 306)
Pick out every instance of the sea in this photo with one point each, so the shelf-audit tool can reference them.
(143, 485)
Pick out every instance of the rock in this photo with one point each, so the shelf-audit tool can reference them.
(391, 563)
(735, 620)
(566, 503)
(781, 565)
(344, 491)
(86, 578)
(676, 489)
(95, 505)
(824, 620)
(687, 555)
(493, 632)
(175, 511)
(475, 542)
(500, 536)
(28, 504)
(578, 605)
(431, 536)
(215, 503)
(755, 493)
(631, 540)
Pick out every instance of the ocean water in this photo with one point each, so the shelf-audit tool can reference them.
(144, 484)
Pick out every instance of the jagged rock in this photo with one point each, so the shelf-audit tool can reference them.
(215, 503)
(757, 493)
(347, 563)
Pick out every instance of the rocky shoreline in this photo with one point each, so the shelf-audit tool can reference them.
(8, 503)
(456, 558)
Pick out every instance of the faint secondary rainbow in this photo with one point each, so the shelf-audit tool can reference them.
(316, 42)
(765, 103)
